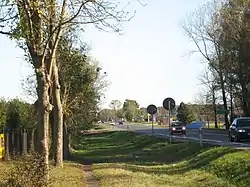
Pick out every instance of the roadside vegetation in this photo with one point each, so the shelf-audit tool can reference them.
(24, 173)
(126, 159)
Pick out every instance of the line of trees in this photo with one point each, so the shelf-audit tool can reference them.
(220, 31)
(39, 28)
(129, 110)
(82, 85)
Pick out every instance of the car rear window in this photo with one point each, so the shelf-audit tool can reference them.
(177, 123)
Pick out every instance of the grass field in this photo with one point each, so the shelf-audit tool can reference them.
(125, 159)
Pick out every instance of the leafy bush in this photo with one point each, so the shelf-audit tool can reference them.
(27, 171)
(20, 115)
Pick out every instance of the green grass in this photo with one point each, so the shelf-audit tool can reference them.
(126, 159)
(70, 175)
(212, 126)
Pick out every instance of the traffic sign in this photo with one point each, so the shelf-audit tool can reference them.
(222, 111)
(169, 102)
(152, 109)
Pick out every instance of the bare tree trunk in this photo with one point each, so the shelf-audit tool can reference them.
(52, 134)
(58, 118)
(214, 109)
(231, 104)
(44, 108)
(66, 145)
(245, 106)
(224, 98)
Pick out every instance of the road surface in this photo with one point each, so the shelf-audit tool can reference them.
(211, 136)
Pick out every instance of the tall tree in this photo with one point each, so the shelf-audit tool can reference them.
(116, 105)
(209, 81)
(184, 114)
(105, 114)
(82, 85)
(131, 109)
(204, 29)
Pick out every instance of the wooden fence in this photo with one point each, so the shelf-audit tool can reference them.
(17, 142)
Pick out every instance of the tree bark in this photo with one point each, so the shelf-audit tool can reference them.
(214, 108)
(44, 108)
(66, 145)
(52, 134)
(224, 98)
(58, 118)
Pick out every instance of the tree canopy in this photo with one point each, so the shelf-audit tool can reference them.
(131, 109)
(184, 114)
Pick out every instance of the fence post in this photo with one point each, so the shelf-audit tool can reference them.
(18, 141)
(31, 141)
(6, 146)
(24, 142)
(13, 148)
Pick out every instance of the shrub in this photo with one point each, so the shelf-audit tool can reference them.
(27, 171)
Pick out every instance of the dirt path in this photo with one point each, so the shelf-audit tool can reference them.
(87, 165)
(89, 177)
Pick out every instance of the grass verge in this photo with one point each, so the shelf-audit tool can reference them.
(126, 159)
(70, 175)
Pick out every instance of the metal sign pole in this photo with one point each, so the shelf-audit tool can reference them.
(152, 124)
(169, 122)
(201, 137)
(152, 109)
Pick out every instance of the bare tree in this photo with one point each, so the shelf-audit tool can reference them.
(204, 28)
(115, 105)
(210, 83)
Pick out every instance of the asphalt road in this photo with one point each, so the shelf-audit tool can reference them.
(211, 136)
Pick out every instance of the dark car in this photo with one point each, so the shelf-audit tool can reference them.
(240, 129)
(177, 127)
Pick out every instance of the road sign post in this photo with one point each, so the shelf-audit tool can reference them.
(152, 109)
(169, 121)
(169, 104)
(152, 123)
(200, 131)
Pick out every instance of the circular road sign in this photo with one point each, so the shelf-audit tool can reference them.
(166, 103)
(152, 109)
